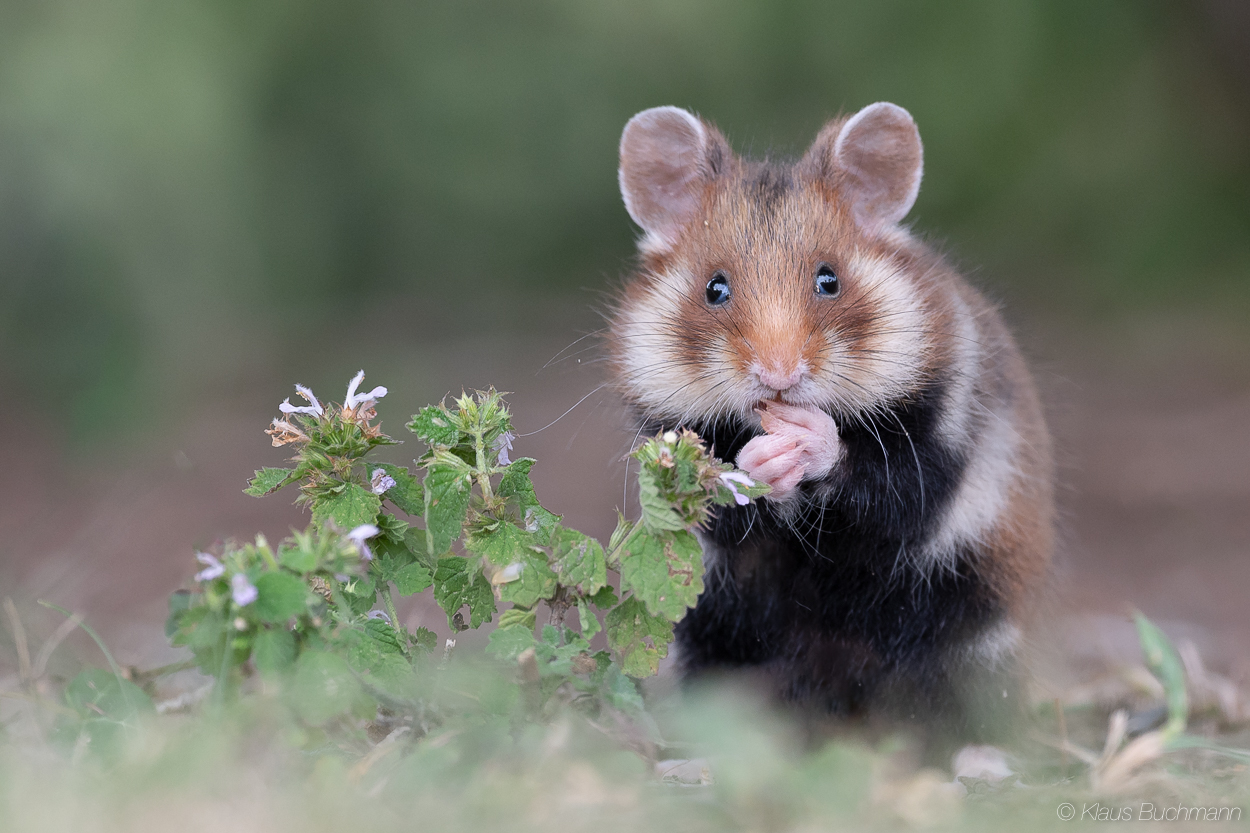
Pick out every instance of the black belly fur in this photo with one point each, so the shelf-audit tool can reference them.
(826, 601)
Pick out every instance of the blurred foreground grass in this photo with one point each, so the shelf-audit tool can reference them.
(729, 763)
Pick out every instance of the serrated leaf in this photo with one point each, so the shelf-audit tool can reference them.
(604, 599)
(407, 493)
(279, 596)
(658, 514)
(641, 639)
(664, 571)
(587, 619)
(578, 560)
(273, 650)
(516, 483)
(459, 582)
(435, 426)
(507, 643)
(413, 579)
(349, 508)
(505, 545)
(447, 491)
(268, 480)
(424, 639)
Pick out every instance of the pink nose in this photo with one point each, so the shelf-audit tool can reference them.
(779, 381)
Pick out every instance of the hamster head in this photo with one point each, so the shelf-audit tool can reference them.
(762, 281)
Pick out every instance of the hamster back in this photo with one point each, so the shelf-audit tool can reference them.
(782, 312)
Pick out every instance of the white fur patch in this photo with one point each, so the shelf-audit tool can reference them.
(890, 362)
(655, 371)
(982, 494)
(959, 405)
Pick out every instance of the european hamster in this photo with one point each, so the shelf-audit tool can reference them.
(781, 311)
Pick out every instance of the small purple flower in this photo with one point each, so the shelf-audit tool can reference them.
(212, 567)
(357, 400)
(313, 409)
(359, 535)
(378, 614)
(503, 444)
(242, 591)
(730, 478)
(380, 482)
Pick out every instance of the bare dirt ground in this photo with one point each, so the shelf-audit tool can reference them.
(1151, 418)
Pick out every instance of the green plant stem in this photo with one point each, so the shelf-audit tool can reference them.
(389, 601)
(90, 632)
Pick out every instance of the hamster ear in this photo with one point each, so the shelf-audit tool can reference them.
(664, 168)
(875, 161)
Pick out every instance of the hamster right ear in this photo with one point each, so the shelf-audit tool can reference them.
(875, 160)
(667, 157)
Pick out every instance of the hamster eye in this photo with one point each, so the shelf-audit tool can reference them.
(826, 281)
(718, 289)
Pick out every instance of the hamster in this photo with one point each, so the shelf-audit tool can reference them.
(783, 312)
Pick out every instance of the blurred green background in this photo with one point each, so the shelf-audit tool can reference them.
(196, 195)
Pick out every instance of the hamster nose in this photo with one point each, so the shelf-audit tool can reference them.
(779, 380)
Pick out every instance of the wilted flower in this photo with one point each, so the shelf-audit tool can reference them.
(361, 401)
(730, 478)
(242, 591)
(313, 409)
(380, 481)
(284, 431)
(503, 444)
(212, 567)
(359, 535)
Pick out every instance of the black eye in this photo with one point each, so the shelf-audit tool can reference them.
(718, 289)
(826, 281)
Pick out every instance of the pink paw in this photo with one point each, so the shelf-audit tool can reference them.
(800, 444)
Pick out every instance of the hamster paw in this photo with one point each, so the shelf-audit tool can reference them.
(801, 443)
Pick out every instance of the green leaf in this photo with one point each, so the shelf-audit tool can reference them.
(323, 687)
(507, 544)
(525, 617)
(515, 483)
(657, 513)
(447, 490)
(586, 617)
(268, 480)
(413, 579)
(578, 561)
(435, 426)
(507, 643)
(459, 582)
(279, 597)
(179, 603)
(621, 692)
(360, 594)
(96, 692)
(604, 599)
(640, 638)
(298, 559)
(1165, 663)
(349, 508)
(424, 640)
(664, 571)
(273, 650)
(407, 493)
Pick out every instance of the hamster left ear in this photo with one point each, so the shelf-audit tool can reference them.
(874, 159)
